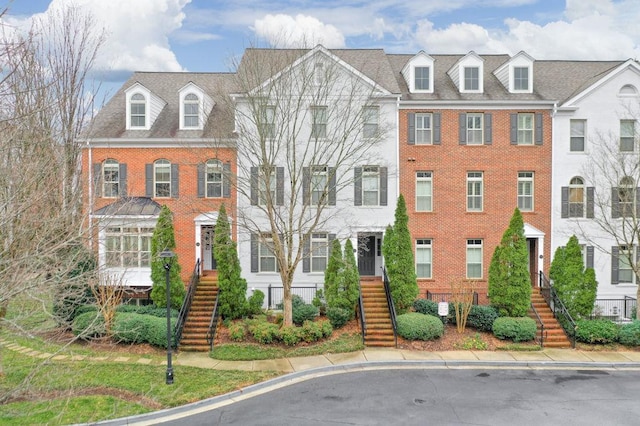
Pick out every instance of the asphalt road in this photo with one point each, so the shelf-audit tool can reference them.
(442, 397)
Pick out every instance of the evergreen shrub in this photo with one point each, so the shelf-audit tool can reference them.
(131, 328)
(89, 325)
(416, 326)
(311, 331)
(518, 329)
(338, 317)
(481, 317)
(264, 332)
(629, 334)
(237, 331)
(255, 302)
(596, 331)
(290, 335)
(426, 307)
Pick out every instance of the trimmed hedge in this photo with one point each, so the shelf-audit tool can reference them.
(255, 302)
(127, 328)
(629, 334)
(147, 310)
(518, 329)
(89, 325)
(426, 307)
(416, 326)
(304, 312)
(338, 316)
(598, 331)
(481, 317)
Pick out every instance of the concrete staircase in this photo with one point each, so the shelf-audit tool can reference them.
(376, 313)
(554, 335)
(196, 326)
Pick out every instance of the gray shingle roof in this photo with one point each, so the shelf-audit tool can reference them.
(130, 206)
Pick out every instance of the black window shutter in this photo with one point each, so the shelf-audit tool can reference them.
(615, 253)
(513, 129)
(332, 186)
(254, 186)
(306, 186)
(564, 205)
(148, 180)
(436, 128)
(538, 128)
(615, 203)
(254, 253)
(383, 186)
(589, 257)
(411, 129)
(280, 186)
(122, 190)
(306, 255)
(174, 181)
(226, 180)
(590, 202)
(97, 179)
(357, 186)
(488, 135)
(201, 183)
(462, 128)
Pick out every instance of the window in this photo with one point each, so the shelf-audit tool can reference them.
(319, 184)
(576, 197)
(474, 129)
(319, 252)
(268, 122)
(421, 80)
(474, 191)
(162, 179)
(423, 258)
(266, 256)
(370, 185)
(520, 78)
(318, 73)
(213, 178)
(423, 129)
(424, 191)
(110, 178)
(474, 258)
(370, 118)
(138, 110)
(525, 129)
(471, 78)
(525, 191)
(191, 110)
(128, 247)
(627, 135)
(626, 197)
(625, 271)
(267, 186)
(319, 122)
(577, 135)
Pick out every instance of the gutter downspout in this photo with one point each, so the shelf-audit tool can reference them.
(90, 193)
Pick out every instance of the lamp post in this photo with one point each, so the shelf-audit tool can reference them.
(167, 256)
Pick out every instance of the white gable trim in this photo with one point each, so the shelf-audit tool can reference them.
(421, 59)
(456, 72)
(153, 106)
(629, 64)
(205, 105)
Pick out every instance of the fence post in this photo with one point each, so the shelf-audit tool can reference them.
(269, 296)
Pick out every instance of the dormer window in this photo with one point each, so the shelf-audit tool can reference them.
(421, 78)
(418, 73)
(471, 79)
(516, 75)
(191, 111)
(468, 73)
(521, 78)
(138, 110)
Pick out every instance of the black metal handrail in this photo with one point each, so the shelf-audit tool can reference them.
(211, 333)
(560, 312)
(392, 308)
(445, 297)
(186, 304)
(363, 322)
(540, 324)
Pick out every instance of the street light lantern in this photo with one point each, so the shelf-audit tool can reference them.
(167, 256)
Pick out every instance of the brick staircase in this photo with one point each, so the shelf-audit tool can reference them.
(376, 313)
(196, 326)
(554, 335)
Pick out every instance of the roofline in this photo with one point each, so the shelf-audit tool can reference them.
(477, 104)
(157, 143)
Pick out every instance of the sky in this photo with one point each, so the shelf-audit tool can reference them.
(210, 35)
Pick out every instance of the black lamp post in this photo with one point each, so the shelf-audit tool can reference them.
(167, 256)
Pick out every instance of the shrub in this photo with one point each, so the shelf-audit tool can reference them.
(131, 328)
(157, 332)
(599, 331)
(629, 334)
(304, 312)
(255, 302)
(89, 325)
(290, 335)
(264, 332)
(147, 310)
(518, 329)
(426, 307)
(237, 331)
(327, 328)
(338, 316)
(311, 331)
(481, 317)
(415, 326)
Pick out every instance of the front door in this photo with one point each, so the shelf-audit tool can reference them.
(533, 261)
(367, 255)
(208, 259)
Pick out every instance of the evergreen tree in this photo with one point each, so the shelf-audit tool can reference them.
(351, 278)
(509, 280)
(399, 260)
(575, 286)
(163, 239)
(332, 272)
(232, 287)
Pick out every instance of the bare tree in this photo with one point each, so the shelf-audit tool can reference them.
(303, 122)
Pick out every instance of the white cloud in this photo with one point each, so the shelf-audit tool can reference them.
(299, 31)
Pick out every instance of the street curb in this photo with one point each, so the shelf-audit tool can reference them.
(299, 376)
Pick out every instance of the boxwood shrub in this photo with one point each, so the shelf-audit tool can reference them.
(152, 310)
(89, 325)
(290, 335)
(518, 329)
(629, 334)
(311, 331)
(598, 331)
(131, 328)
(426, 307)
(304, 312)
(417, 326)
(264, 332)
(338, 316)
(481, 317)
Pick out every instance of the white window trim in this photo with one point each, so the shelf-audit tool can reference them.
(155, 181)
(474, 245)
(512, 77)
(526, 179)
(469, 130)
(200, 104)
(427, 245)
(473, 179)
(147, 120)
(430, 196)
(430, 128)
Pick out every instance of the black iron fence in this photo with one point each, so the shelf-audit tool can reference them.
(615, 309)
(275, 294)
(446, 297)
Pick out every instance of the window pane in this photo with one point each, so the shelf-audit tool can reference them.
(577, 135)
(423, 129)
(627, 135)
(521, 78)
(421, 78)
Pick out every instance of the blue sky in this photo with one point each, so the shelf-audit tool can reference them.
(205, 35)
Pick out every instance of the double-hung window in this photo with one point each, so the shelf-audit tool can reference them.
(424, 134)
(474, 129)
(578, 134)
(576, 197)
(525, 191)
(319, 184)
(191, 111)
(520, 78)
(138, 105)
(162, 178)
(424, 191)
(319, 122)
(625, 271)
(627, 135)
(370, 119)
(267, 258)
(421, 81)
(319, 252)
(423, 258)
(471, 78)
(626, 196)
(110, 178)
(267, 185)
(213, 177)
(525, 129)
(474, 259)
(370, 186)
(474, 191)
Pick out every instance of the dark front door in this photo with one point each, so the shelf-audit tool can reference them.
(533, 260)
(367, 255)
